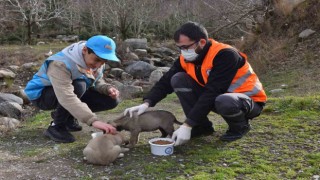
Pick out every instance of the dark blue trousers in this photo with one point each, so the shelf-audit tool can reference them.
(95, 101)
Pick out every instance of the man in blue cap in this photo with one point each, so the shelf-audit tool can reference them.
(70, 83)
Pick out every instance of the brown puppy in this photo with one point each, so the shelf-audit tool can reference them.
(104, 149)
(148, 121)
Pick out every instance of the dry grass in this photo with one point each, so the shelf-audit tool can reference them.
(267, 52)
(19, 55)
(285, 7)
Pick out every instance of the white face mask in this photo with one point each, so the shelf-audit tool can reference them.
(189, 55)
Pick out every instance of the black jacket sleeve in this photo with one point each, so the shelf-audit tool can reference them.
(225, 66)
(163, 87)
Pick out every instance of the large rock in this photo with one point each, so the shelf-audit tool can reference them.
(163, 69)
(126, 76)
(116, 72)
(140, 69)
(155, 76)
(10, 98)
(164, 51)
(136, 43)
(129, 91)
(10, 109)
(141, 52)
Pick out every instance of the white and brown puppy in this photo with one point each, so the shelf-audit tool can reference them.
(148, 121)
(104, 149)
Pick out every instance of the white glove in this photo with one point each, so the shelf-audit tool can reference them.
(182, 135)
(140, 109)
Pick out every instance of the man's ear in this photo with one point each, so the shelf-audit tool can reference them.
(84, 50)
(202, 42)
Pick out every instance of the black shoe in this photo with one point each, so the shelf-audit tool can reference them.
(73, 125)
(234, 135)
(201, 131)
(59, 133)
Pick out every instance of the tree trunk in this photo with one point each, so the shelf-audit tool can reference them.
(29, 31)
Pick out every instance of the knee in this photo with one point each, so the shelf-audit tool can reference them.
(225, 105)
(80, 87)
(179, 79)
(106, 105)
(113, 104)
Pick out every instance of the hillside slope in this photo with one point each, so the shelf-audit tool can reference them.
(280, 57)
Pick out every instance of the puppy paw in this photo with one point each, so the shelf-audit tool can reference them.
(121, 155)
(125, 149)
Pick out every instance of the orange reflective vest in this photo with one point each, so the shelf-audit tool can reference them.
(245, 81)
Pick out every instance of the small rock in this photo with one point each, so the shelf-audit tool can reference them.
(273, 91)
(6, 73)
(306, 33)
(56, 147)
(9, 123)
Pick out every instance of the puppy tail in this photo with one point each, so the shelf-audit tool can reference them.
(177, 122)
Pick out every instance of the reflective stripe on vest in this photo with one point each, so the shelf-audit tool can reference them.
(245, 81)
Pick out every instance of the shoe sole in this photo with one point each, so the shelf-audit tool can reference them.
(234, 139)
(229, 140)
(47, 134)
(73, 130)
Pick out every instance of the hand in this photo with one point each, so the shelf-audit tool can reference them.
(182, 134)
(104, 127)
(140, 109)
(113, 93)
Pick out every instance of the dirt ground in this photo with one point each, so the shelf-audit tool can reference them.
(27, 154)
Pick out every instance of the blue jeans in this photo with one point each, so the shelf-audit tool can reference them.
(95, 101)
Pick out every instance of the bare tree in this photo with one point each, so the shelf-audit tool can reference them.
(224, 18)
(125, 18)
(72, 14)
(33, 12)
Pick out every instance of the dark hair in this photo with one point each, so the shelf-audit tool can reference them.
(90, 51)
(193, 30)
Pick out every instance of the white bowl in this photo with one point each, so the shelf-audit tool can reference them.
(161, 149)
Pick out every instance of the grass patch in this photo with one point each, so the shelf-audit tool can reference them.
(283, 144)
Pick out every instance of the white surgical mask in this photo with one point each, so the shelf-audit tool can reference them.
(189, 54)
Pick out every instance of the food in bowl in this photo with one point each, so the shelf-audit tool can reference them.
(162, 142)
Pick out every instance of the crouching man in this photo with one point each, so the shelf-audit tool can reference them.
(208, 76)
(70, 83)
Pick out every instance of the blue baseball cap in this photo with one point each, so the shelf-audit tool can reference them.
(103, 46)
